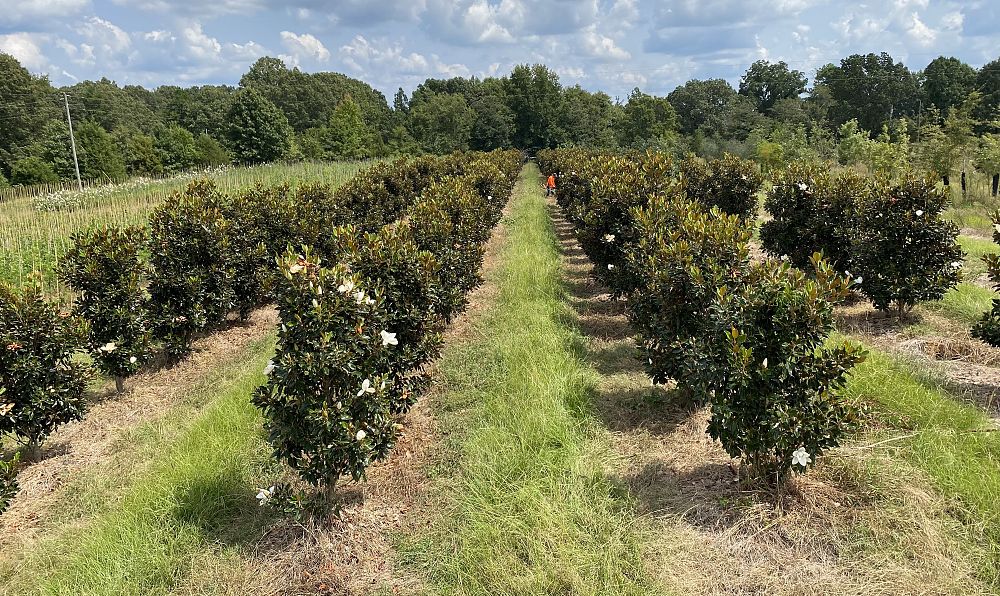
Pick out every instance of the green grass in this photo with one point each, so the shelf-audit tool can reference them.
(139, 527)
(529, 509)
(974, 249)
(965, 303)
(32, 240)
(953, 443)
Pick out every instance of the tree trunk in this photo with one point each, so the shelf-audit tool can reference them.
(120, 384)
(996, 183)
(330, 492)
(963, 185)
(946, 180)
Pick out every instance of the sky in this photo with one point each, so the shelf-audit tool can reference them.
(608, 45)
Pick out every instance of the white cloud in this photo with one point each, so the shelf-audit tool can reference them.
(304, 46)
(27, 49)
(919, 31)
(28, 13)
(469, 21)
(363, 56)
(953, 21)
(602, 47)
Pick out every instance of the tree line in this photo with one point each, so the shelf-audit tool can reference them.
(867, 109)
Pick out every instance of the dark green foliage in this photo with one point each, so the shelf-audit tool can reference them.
(904, 251)
(100, 158)
(869, 88)
(646, 121)
(176, 149)
(139, 151)
(452, 221)
(390, 264)
(947, 82)
(210, 152)
(258, 131)
(8, 482)
(682, 256)
(767, 84)
(190, 253)
(41, 387)
(775, 382)
(324, 402)
(106, 268)
(988, 327)
(33, 170)
(442, 123)
(812, 211)
(729, 183)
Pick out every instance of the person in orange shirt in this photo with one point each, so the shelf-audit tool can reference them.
(550, 185)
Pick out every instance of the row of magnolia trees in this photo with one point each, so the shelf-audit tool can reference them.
(405, 238)
(751, 337)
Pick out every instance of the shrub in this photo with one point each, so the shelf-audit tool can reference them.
(904, 252)
(105, 267)
(8, 482)
(812, 212)
(33, 170)
(452, 222)
(988, 327)
(729, 183)
(41, 387)
(684, 256)
(324, 403)
(776, 397)
(191, 283)
(390, 264)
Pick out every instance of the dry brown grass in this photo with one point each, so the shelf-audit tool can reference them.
(845, 528)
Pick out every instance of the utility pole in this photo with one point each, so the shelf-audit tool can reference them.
(72, 140)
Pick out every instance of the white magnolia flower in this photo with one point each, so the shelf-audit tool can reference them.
(132, 360)
(366, 387)
(296, 268)
(847, 273)
(382, 386)
(803, 186)
(956, 264)
(610, 266)
(920, 212)
(858, 280)
(369, 301)
(319, 290)
(359, 296)
(269, 368)
(764, 363)
(784, 257)
(801, 458)
(108, 347)
(346, 287)
(361, 435)
(609, 238)
(388, 339)
(315, 303)
(264, 494)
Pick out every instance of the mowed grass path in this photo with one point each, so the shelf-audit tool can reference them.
(143, 526)
(528, 509)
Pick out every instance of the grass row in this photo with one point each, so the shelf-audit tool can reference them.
(529, 511)
(141, 526)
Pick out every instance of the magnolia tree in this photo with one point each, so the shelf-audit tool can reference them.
(41, 385)
(776, 380)
(729, 183)
(325, 402)
(812, 212)
(685, 256)
(904, 251)
(192, 267)
(105, 267)
(988, 327)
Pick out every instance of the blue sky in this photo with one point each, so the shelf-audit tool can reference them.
(610, 45)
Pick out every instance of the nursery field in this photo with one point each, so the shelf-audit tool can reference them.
(36, 227)
(642, 385)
